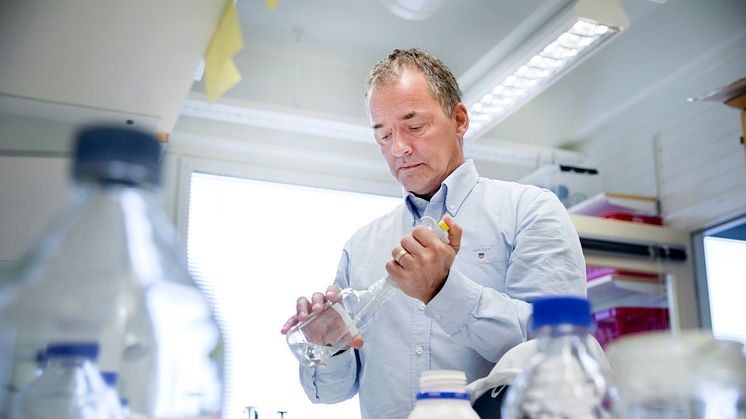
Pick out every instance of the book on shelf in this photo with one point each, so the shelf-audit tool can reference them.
(603, 274)
(607, 203)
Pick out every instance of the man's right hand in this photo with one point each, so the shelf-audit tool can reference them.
(305, 307)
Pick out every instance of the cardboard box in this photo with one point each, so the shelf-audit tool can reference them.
(571, 184)
(740, 103)
(733, 95)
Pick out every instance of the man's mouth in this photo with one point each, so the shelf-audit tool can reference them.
(408, 166)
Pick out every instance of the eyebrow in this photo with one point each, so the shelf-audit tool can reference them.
(408, 115)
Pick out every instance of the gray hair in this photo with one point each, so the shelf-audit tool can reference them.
(442, 83)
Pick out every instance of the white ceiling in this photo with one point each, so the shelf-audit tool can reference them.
(305, 64)
(312, 58)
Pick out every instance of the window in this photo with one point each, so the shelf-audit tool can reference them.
(726, 264)
(721, 263)
(257, 246)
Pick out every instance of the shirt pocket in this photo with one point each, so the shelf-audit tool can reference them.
(484, 264)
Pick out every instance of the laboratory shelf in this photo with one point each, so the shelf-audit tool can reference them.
(665, 251)
(623, 291)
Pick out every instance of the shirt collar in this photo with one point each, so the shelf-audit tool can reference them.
(456, 187)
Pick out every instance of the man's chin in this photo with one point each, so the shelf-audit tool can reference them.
(417, 190)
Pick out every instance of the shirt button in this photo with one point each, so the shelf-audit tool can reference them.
(422, 307)
(438, 316)
(420, 350)
(452, 207)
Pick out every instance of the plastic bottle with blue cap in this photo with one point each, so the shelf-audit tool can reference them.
(563, 379)
(70, 387)
(443, 396)
(322, 335)
(108, 270)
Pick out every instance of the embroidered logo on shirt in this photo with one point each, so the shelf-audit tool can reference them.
(481, 252)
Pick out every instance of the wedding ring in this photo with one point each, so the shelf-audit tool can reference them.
(399, 255)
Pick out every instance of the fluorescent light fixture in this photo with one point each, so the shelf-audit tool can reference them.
(200, 70)
(573, 35)
(413, 9)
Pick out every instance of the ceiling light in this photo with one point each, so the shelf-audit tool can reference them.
(413, 9)
(566, 40)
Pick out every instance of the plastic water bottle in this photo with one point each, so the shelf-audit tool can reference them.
(69, 388)
(443, 396)
(107, 271)
(324, 334)
(690, 374)
(563, 379)
(111, 378)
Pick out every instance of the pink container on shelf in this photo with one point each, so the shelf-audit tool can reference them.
(615, 322)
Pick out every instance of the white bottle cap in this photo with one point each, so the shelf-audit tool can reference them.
(442, 381)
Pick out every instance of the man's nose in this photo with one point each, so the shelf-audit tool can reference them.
(400, 145)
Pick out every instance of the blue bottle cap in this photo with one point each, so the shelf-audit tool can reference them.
(561, 310)
(110, 378)
(116, 154)
(87, 350)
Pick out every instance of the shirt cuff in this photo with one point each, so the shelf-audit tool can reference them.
(339, 360)
(452, 307)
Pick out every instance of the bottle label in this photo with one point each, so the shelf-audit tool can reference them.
(443, 395)
(346, 318)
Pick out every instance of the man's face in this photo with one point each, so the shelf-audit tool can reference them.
(422, 145)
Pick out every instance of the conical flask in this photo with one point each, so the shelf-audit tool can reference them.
(323, 334)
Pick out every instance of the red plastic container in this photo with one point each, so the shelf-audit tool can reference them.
(619, 321)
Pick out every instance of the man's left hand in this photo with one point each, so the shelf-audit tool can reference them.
(423, 269)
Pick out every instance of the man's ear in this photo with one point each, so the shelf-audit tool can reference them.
(461, 116)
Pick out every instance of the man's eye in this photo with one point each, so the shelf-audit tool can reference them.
(416, 127)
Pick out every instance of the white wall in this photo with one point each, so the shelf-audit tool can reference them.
(32, 190)
(35, 179)
(702, 162)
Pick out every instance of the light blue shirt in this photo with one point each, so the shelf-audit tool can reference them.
(518, 243)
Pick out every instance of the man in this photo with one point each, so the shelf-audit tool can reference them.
(464, 304)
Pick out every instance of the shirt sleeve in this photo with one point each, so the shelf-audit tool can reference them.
(333, 381)
(546, 260)
(336, 379)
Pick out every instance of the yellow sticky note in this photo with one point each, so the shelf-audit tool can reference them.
(218, 79)
(220, 72)
(272, 4)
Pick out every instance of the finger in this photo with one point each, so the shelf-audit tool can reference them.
(357, 342)
(412, 244)
(425, 237)
(317, 301)
(302, 308)
(454, 233)
(332, 293)
(397, 252)
(394, 269)
(292, 321)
